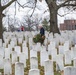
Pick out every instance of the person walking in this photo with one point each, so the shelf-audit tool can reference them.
(22, 28)
(42, 33)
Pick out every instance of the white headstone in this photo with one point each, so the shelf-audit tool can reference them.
(12, 43)
(33, 53)
(43, 48)
(30, 43)
(20, 40)
(14, 40)
(43, 56)
(66, 46)
(74, 62)
(48, 68)
(17, 49)
(2, 51)
(4, 45)
(6, 41)
(52, 45)
(22, 59)
(24, 44)
(69, 70)
(59, 62)
(1, 62)
(14, 57)
(46, 41)
(73, 52)
(19, 68)
(9, 46)
(53, 54)
(49, 49)
(25, 50)
(0, 73)
(0, 42)
(61, 40)
(38, 47)
(68, 57)
(7, 53)
(61, 49)
(34, 72)
(34, 63)
(7, 67)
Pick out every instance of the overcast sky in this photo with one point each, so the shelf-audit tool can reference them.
(40, 5)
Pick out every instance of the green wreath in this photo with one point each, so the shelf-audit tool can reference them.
(38, 38)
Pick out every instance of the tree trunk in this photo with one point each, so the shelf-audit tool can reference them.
(53, 21)
(53, 8)
(1, 26)
(2, 15)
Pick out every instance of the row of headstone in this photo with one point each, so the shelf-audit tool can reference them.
(23, 55)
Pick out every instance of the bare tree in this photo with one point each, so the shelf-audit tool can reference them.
(14, 24)
(54, 6)
(27, 22)
(31, 22)
(6, 3)
(2, 8)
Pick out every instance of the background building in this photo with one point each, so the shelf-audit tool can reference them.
(68, 25)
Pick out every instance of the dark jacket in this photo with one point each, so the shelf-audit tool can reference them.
(42, 31)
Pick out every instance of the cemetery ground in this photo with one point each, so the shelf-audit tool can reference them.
(19, 54)
(26, 70)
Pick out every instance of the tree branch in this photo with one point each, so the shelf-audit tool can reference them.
(26, 3)
(63, 15)
(33, 11)
(34, 8)
(69, 5)
(20, 4)
(66, 4)
(5, 6)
